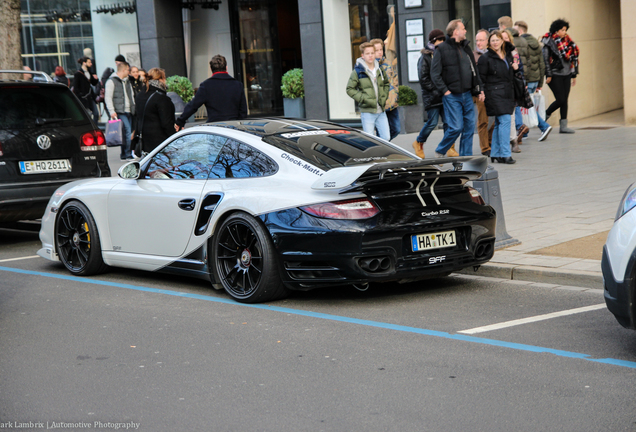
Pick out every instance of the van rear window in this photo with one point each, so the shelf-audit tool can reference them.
(22, 106)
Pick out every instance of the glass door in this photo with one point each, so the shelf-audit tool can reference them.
(259, 56)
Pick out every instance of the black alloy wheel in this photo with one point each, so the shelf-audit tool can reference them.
(77, 240)
(245, 261)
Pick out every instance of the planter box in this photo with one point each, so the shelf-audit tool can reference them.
(294, 108)
(411, 118)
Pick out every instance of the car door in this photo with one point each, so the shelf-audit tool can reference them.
(156, 213)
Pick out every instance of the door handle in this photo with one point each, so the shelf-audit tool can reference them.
(187, 204)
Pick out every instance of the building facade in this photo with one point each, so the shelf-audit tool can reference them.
(263, 39)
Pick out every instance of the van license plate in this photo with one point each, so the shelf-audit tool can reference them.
(45, 166)
(437, 240)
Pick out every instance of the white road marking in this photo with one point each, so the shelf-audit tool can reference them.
(21, 258)
(532, 319)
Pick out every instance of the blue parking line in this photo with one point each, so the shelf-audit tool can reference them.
(338, 318)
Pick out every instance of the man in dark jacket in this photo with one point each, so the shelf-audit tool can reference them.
(453, 72)
(431, 97)
(223, 96)
(534, 70)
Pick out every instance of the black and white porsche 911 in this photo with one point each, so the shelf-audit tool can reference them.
(260, 207)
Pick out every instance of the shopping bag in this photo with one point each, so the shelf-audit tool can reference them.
(114, 133)
(539, 103)
(529, 116)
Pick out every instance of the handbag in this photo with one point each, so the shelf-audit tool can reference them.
(539, 102)
(521, 92)
(529, 117)
(114, 133)
(139, 146)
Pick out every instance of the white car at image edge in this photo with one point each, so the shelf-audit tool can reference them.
(619, 262)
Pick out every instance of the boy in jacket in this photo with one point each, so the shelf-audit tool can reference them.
(369, 86)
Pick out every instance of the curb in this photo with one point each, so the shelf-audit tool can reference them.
(580, 278)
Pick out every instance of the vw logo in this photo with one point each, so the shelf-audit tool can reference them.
(44, 142)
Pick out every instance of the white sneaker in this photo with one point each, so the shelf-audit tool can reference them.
(545, 134)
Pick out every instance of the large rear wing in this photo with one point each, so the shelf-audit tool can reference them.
(357, 178)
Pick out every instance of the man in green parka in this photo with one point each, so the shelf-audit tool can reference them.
(369, 86)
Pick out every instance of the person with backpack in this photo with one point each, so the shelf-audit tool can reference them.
(431, 97)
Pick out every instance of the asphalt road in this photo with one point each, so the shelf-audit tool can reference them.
(172, 354)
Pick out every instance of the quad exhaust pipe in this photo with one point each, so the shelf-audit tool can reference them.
(483, 250)
(375, 264)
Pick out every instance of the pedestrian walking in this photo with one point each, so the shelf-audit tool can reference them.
(155, 112)
(517, 128)
(60, 76)
(222, 95)
(82, 82)
(369, 86)
(561, 57)
(485, 136)
(521, 45)
(121, 104)
(496, 69)
(390, 69)
(453, 72)
(534, 71)
(431, 96)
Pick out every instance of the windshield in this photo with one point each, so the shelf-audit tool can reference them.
(335, 148)
(24, 107)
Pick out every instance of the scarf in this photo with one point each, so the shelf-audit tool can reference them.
(567, 48)
(158, 84)
(430, 46)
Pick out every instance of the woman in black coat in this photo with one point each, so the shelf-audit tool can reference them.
(82, 82)
(155, 111)
(496, 69)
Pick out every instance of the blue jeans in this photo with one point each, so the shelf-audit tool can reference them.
(500, 146)
(532, 87)
(126, 119)
(393, 116)
(433, 119)
(518, 118)
(459, 111)
(371, 122)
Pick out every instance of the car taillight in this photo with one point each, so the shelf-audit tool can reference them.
(476, 196)
(350, 209)
(88, 139)
(1, 153)
(101, 140)
(93, 138)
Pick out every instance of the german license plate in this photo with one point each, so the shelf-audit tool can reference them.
(437, 240)
(45, 166)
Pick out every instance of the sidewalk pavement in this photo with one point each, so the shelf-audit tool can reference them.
(565, 188)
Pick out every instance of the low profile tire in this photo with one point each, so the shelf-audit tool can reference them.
(245, 262)
(77, 240)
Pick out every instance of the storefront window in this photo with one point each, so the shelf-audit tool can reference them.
(346, 26)
(55, 33)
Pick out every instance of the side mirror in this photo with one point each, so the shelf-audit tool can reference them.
(130, 171)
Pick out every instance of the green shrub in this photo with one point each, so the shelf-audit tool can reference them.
(293, 85)
(181, 86)
(406, 96)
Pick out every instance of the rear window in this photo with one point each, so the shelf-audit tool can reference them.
(21, 106)
(336, 148)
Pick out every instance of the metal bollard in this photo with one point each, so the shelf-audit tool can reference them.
(488, 186)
